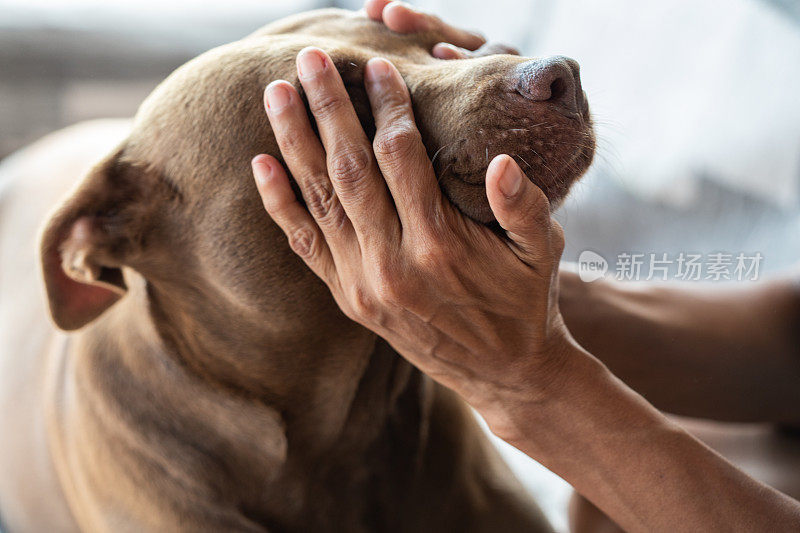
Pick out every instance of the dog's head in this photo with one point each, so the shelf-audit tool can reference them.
(176, 202)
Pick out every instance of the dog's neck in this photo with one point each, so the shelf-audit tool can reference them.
(319, 386)
(321, 430)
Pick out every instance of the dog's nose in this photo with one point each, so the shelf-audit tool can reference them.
(555, 80)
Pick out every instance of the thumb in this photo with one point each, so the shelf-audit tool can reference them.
(523, 210)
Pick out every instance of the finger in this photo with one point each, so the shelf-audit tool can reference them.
(522, 209)
(398, 146)
(402, 18)
(374, 8)
(493, 49)
(449, 51)
(350, 161)
(305, 237)
(305, 158)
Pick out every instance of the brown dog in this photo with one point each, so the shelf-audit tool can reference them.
(213, 383)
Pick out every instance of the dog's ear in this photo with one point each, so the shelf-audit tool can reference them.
(87, 241)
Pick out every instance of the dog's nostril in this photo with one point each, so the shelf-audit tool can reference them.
(555, 80)
(557, 89)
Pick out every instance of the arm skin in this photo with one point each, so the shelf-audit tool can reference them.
(638, 467)
(723, 353)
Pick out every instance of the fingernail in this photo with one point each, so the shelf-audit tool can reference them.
(278, 96)
(377, 70)
(510, 179)
(407, 6)
(261, 170)
(310, 63)
(446, 51)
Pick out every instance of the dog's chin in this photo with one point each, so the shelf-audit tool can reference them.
(469, 198)
(469, 195)
(554, 166)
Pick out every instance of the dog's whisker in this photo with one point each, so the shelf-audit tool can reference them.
(585, 146)
(439, 151)
(439, 176)
(553, 174)
(436, 154)
(524, 161)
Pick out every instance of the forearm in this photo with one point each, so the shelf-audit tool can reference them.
(642, 470)
(727, 354)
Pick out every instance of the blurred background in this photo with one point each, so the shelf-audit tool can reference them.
(697, 104)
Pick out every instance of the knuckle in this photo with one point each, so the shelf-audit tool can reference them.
(322, 202)
(326, 105)
(430, 255)
(397, 142)
(388, 285)
(303, 242)
(362, 303)
(350, 166)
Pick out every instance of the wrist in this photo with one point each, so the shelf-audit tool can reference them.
(542, 391)
(584, 412)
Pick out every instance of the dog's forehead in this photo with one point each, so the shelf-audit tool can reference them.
(211, 107)
(349, 27)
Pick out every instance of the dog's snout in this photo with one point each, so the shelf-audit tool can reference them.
(555, 80)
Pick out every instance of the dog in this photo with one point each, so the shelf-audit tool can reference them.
(208, 381)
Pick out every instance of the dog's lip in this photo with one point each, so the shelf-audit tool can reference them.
(477, 183)
(485, 145)
(477, 177)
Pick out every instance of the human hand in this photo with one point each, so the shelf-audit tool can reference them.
(475, 311)
(459, 44)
